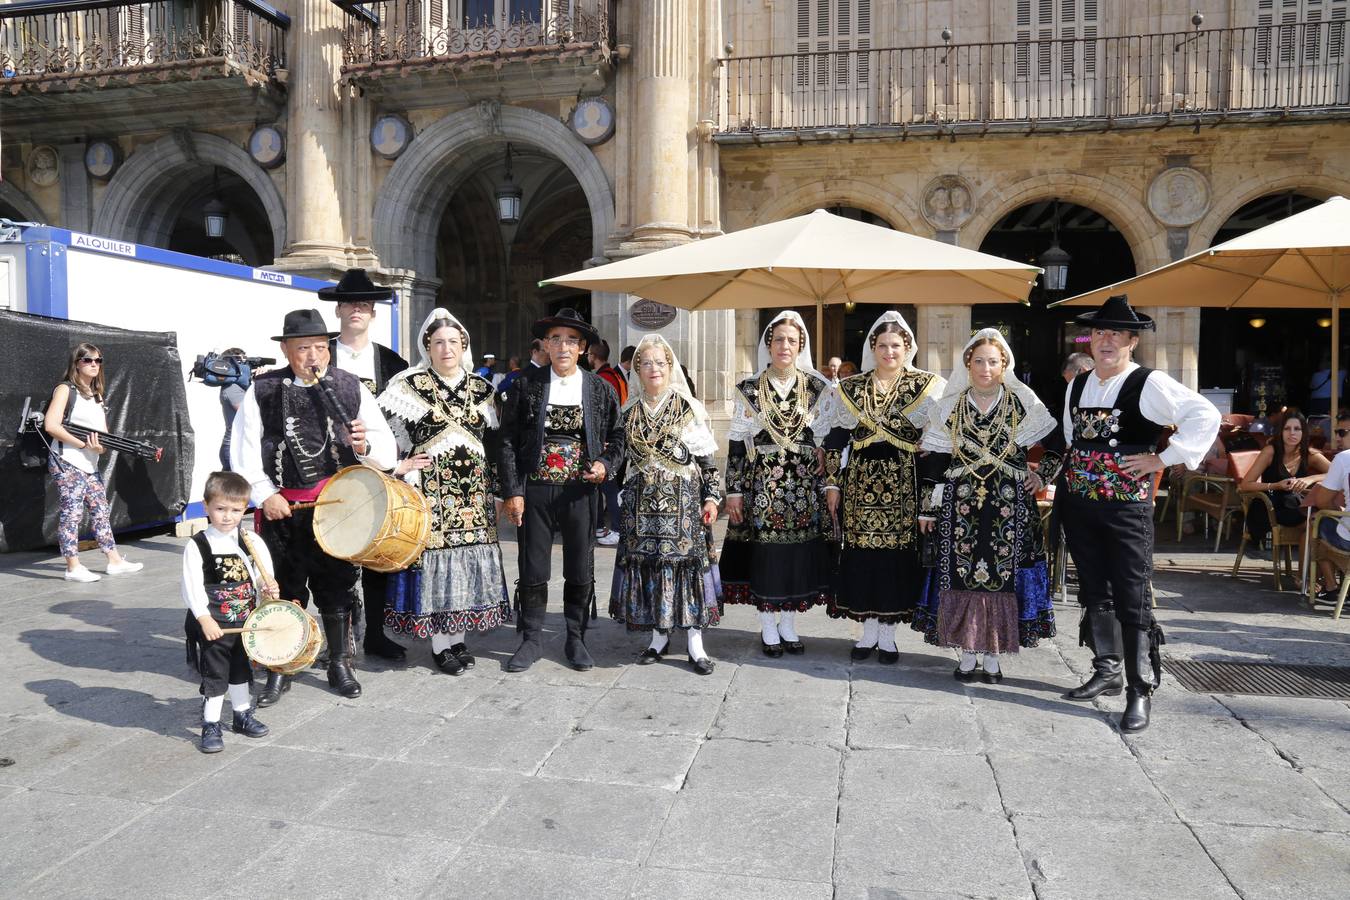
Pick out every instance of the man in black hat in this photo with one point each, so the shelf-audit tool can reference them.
(1114, 416)
(353, 351)
(561, 438)
(296, 427)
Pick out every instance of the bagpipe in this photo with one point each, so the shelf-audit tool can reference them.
(34, 444)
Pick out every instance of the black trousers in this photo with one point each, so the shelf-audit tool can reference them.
(1112, 549)
(567, 509)
(304, 570)
(221, 662)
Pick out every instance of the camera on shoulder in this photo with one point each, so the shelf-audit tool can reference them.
(225, 369)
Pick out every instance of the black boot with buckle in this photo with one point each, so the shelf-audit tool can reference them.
(337, 628)
(576, 611)
(1101, 632)
(531, 606)
(277, 684)
(1141, 674)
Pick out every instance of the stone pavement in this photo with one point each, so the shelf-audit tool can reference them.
(802, 778)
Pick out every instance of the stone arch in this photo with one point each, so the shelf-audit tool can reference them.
(137, 203)
(25, 205)
(1320, 186)
(873, 198)
(1116, 201)
(420, 184)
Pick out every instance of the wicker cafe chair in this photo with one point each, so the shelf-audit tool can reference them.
(1286, 541)
(1337, 557)
(1216, 496)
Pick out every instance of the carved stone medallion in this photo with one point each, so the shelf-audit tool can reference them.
(948, 202)
(1178, 197)
(44, 166)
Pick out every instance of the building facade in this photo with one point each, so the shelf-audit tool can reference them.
(467, 149)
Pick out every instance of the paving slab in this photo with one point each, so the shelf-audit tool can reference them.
(903, 684)
(1243, 794)
(1256, 708)
(487, 874)
(1047, 726)
(151, 769)
(968, 853)
(575, 818)
(619, 756)
(807, 678)
(495, 744)
(280, 783)
(1077, 858)
(521, 701)
(654, 712)
(761, 836)
(684, 884)
(889, 779)
(771, 718)
(731, 766)
(1279, 864)
(877, 892)
(38, 829)
(351, 730)
(1078, 788)
(674, 675)
(1214, 739)
(44, 746)
(902, 726)
(1307, 743)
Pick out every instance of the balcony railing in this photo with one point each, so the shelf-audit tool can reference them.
(64, 40)
(395, 32)
(1069, 83)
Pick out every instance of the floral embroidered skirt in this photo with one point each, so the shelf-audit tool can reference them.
(449, 591)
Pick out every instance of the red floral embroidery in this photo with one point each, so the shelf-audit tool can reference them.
(555, 461)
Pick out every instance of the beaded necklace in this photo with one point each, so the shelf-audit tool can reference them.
(783, 418)
(999, 423)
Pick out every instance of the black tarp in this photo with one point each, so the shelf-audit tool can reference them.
(147, 401)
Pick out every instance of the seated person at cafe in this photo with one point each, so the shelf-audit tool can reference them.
(1286, 469)
(1330, 494)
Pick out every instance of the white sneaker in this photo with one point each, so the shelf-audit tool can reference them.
(601, 532)
(608, 539)
(80, 573)
(125, 567)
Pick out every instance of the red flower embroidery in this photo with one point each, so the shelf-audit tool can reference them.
(555, 461)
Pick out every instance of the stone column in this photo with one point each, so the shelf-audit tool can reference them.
(661, 134)
(942, 332)
(77, 208)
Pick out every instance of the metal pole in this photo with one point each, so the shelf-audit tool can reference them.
(1335, 356)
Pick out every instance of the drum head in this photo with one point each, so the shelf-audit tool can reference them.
(346, 529)
(275, 633)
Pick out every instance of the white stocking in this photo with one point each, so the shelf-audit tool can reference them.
(886, 637)
(869, 638)
(768, 627)
(659, 641)
(787, 625)
(968, 661)
(440, 642)
(211, 710)
(694, 637)
(991, 663)
(240, 699)
(456, 637)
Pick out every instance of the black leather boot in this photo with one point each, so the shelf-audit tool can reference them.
(576, 609)
(531, 604)
(1102, 634)
(337, 628)
(1142, 675)
(375, 642)
(277, 684)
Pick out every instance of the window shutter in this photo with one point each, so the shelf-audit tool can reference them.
(1336, 34)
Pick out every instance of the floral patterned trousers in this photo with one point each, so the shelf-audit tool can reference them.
(80, 491)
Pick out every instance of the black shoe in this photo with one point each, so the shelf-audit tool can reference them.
(337, 628)
(796, 648)
(277, 684)
(858, 654)
(1098, 685)
(376, 644)
(651, 655)
(773, 651)
(245, 724)
(888, 657)
(966, 677)
(992, 677)
(1137, 708)
(702, 665)
(531, 605)
(448, 663)
(212, 742)
(463, 655)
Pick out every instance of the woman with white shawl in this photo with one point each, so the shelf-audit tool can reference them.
(990, 591)
(873, 485)
(663, 578)
(774, 553)
(443, 415)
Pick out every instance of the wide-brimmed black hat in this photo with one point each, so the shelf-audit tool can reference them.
(567, 318)
(1116, 314)
(304, 323)
(356, 287)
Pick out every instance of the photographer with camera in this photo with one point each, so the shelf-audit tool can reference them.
(232, 372)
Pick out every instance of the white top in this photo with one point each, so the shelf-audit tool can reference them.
(87, 412)
(360, 363)
(564, 391)
(246, 442)
(1338, 479)
(1163, 401)
(193, 590)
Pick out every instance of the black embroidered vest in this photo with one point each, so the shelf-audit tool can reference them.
(1103, 436)
(300, 443)
(229, 586)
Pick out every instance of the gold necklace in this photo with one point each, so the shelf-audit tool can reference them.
(999, 423)
(783, 418)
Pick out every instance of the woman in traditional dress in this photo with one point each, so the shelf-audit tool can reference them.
(774, 551)
(443, 414)
(990, 591)
(878, 426)
(662, 577)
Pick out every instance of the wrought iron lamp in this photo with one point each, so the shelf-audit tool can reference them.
(508, 196)
(1055, 260)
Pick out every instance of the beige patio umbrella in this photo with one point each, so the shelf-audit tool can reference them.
(818, 259)
(1302, 262)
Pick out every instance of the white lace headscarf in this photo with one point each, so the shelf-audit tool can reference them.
(698, 436)
(440, 314)
(1037, 421)
(869, 356)
(803, 354)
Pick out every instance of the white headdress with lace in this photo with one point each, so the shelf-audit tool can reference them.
(869, 355)
(1036, 421)
(440, 314)
(803, 355)
(697, 435)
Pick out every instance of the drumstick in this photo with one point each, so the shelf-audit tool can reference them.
(310, 504)
(265, 575)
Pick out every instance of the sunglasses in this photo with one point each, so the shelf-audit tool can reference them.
(92, 360)
(1342, 432)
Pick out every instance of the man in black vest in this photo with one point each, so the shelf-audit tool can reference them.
(295, 429)
(561, 438)
(353, 351)
(1114, 416)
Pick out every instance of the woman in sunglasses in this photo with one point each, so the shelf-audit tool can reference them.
(73, 462)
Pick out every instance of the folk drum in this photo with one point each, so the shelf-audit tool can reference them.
(366, 517)
(282, 636)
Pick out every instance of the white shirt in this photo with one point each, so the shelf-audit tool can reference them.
(88, 412)
(1338, 479)
(564, 391)
(1163, 401)
(360, 363)
(246, 442)
(193, 590)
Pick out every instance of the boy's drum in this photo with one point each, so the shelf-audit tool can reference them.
(366, 517)
(281, 636)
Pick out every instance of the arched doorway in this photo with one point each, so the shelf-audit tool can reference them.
(17, 206)
(1041, 337)
(1271, 358)
(246, 238)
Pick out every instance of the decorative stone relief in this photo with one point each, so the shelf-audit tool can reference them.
(101, 159)
(592, 120)
(267, 146)
(390, 136)
(948, 202)
(491, 113)
(44, 166)
(1178, 197)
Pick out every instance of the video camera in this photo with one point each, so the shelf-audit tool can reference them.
(218, 370)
